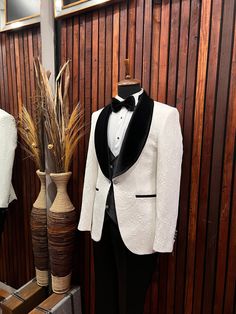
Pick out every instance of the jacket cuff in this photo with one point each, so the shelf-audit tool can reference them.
(3, 204)
(84, 227)
(164, 237)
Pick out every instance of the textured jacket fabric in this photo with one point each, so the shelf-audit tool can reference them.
(146, 182)
(8, 142)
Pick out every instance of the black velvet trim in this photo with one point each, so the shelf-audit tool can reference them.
(100, 138)
(136, 134)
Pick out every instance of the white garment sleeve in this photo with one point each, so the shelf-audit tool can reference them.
(169, 160)
(90, 179)
(8, 142)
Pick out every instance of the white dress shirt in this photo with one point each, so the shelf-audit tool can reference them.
(117, 125)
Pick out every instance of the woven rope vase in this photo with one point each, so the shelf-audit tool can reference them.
(62, 225)
(39, 233)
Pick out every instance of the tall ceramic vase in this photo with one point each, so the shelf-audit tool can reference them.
(39, 233)
(62, 225)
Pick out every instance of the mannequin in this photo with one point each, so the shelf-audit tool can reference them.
(139, 267)
(133, 166)
(8, 142)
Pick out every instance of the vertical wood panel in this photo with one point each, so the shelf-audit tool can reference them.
(147, 46)
(95, 61)
(207, 152)
(171, 97)
(5, 82)
(131, 34)
(162, 93)
(108, 61)
(156, 20)
(230, 288)
(75, 100)
(197, 145)
(164, 50)
(139, 37)
(180, 104)
(123, 38)
(115, 53)
(101, 67)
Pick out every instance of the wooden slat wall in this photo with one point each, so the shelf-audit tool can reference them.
(17, 50)
(184, 53)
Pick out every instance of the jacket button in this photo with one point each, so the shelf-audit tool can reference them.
(107, 206)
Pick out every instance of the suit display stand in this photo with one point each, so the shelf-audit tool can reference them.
(126, 202)
(5, 291)
(34, 299)
(67, 303)
(24, 299)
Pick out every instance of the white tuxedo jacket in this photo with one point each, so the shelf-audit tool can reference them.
(8, 142)
(146, 180)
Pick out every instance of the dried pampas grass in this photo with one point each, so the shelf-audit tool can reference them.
(63, 131)
(30, 130)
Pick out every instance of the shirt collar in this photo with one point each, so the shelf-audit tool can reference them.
(136, 96)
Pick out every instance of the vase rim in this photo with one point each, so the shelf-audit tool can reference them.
(60, 174)
(40, 172)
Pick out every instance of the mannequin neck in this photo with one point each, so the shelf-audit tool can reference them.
(126, 90)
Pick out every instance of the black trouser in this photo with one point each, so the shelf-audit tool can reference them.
(3, 212)
(121, 277)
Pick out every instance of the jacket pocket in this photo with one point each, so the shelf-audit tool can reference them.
(145, 195)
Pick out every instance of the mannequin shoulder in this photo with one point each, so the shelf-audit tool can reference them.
(163, 111)
(5, 115)
(163, 114)
(6, 118)
(164, 108)
(95, 115)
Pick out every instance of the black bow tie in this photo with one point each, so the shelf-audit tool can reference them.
(128, 103)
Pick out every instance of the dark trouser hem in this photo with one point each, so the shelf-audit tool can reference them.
(3, 212)
(121, 277)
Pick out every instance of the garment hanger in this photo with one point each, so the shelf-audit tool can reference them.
(129, 85)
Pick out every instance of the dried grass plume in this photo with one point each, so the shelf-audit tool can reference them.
(30, 130)
(63, 131)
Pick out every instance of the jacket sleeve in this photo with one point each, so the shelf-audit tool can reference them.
(169, 160)
(90, 180)
(8, 142)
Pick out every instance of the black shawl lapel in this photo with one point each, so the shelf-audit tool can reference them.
(101, 144)
(134, 140)
(136, 135)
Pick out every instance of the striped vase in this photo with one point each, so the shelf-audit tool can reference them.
(62, 225)
(39, 233)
